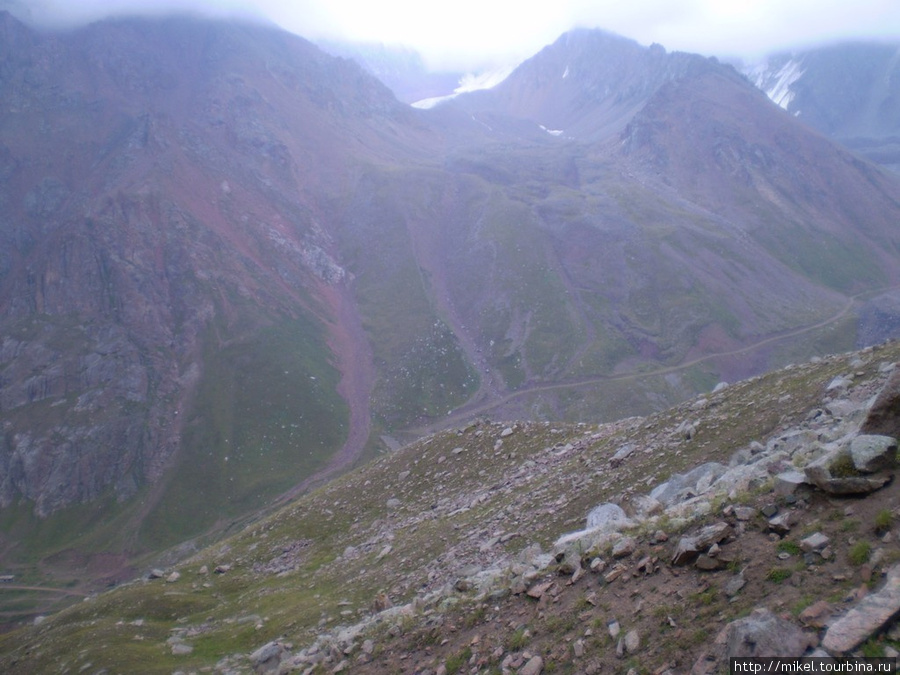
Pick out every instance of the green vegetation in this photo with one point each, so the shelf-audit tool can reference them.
(267, 414)
(456, 662)
(778, 574)
(315, 565)
(788, 546)
(883, 522)
(859, 553)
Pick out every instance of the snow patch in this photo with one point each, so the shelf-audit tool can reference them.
(566, 74)
(470, 82)
(777, 83)
(552, 132)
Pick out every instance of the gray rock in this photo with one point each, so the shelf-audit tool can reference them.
(735, 585)
(707, 564)
(686, 551)
(614, 629)
(764, 634)
(884, 415)
(694, 482)
(788, 482)
(622, 454)
(865, 619)
(624, 547)
(744, 513)
(783, 522)
(689, 548)
(534, 666)
(607, 516)
(393, 503)
(508, 431)
(268, 657)
(874, 453)
(814, 542)
(632, 641)
(835, 471)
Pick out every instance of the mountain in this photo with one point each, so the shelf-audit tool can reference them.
(171, 310)
(849, 91)
(674, 541)
(232, 266)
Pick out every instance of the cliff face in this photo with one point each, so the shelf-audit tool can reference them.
(155, 201)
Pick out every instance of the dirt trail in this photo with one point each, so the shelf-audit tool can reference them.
(476, 408)
(42, 589)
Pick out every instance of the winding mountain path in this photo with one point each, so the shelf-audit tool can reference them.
(475, 409)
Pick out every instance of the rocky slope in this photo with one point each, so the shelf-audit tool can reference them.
(529, 547)
(230, 264)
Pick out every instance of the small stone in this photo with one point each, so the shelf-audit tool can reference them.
(814, 542)
(706, 563)
(615, 573)
(624, 547)
(632, 641)
(156, 574)
(782, 523)
(172, 578)
(578, 648)
(506, 432)
(734, 585)
(614, 629)
(769, 510)
(816, 614)
(744, 513)
(537, 591)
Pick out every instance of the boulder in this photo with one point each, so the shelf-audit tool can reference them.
(534, 666)
(836, 473)
(884, 415)
(872, 453)
(694, 482)
(865, 619)
(690, 547)
(608, 517)
(765, 634)
(788, 482)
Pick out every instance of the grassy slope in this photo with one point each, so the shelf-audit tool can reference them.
(291, 577)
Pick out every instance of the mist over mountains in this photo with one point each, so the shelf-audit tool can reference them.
(850, 92)
(231, 263)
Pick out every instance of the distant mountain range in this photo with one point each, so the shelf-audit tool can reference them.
(850, 92)
(232, 265)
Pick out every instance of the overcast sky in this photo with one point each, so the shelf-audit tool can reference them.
(469, 32)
